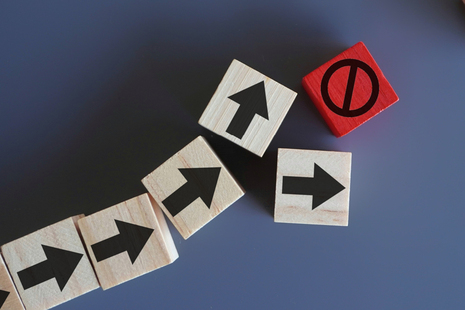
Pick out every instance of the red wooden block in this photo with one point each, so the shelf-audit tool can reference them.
(349, 89)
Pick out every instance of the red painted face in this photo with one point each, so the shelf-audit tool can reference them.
(349, 89)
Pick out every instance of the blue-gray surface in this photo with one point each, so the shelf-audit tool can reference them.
(96, 94)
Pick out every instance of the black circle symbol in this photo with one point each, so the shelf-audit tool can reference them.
(354, 64)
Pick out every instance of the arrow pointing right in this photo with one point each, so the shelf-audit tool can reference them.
(3, 297)
(131, 238)
(60, 264)
(322, 186)
(252, 101)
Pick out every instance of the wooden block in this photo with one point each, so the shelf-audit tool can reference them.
(312, 187)
(193, 187)
(247, 108)
(349, 89)
(127, 240)
(50, 266)
(9, 298)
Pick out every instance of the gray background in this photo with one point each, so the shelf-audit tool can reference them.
(96, 94)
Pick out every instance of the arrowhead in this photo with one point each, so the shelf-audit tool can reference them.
(326, 186)
(253, 99)
(62, 263)
(133, 238)
(3, 297)
(203, 181)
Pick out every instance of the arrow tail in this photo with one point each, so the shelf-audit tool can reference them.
(298, 185)
(108, 248)
(240, 123)
(36, 274)
(180, 199)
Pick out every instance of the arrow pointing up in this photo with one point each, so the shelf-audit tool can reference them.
(201, 182)
(60, 264)
(252, 100)
(322, 186)
(3, 297)
(131, 238)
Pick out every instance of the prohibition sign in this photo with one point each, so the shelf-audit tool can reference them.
(354, 64)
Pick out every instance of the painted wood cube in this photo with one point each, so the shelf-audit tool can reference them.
(50, 266)
(127, 240)
(9, 298)
(193, 187)
(247, 108)
(312, 187)
(349, 89)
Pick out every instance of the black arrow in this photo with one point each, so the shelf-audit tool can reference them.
(252, 100)
(60, 264)
(3, 297)
(131, 238)
(322, 186)
(201, 182)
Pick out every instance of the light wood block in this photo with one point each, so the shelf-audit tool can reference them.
(9, 298)
(251, 118)
(313, 187)
(193, 187)
(349, 89)
(127, 240)
(50, 266)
